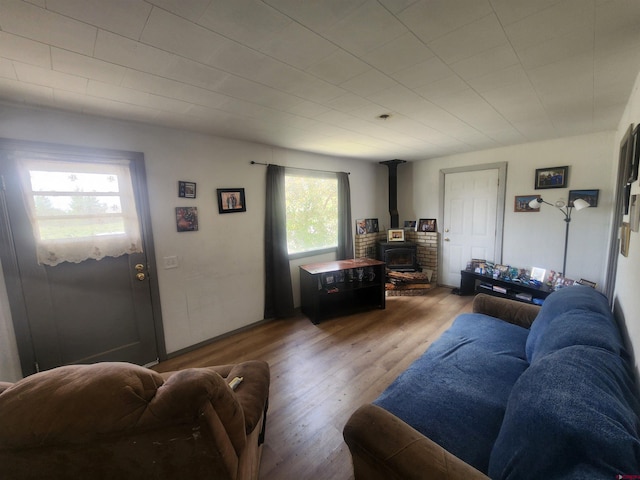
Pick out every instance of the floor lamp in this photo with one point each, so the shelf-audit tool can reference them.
(566, 210)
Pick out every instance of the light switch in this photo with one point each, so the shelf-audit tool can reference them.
(170, 262)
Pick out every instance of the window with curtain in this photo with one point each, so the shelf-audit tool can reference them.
(80, 211)
(312, 212)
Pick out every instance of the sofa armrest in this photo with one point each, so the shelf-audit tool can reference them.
(4, 386)
(384, 447)
(512, 311)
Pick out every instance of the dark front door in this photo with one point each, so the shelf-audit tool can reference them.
(76, 296)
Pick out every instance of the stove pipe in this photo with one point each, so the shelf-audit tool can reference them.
(393, 190)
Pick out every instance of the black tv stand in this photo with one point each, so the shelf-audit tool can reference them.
(472, 283)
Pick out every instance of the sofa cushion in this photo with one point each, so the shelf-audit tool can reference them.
(576, 315)
(457, 391)
(571, 415)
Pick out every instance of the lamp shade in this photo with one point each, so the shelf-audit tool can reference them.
(535, 203)
(579, 204)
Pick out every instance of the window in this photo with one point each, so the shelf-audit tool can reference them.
(80, 210)
(312, 212)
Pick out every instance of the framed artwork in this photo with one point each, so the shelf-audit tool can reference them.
(551, 177)
(186, 189)
(427, 225)
(634, 159)
(521, 203)
(395, 235)
(361, 226)
(187, 219)
(589, 196)
(372, 225)
(410, 224)
(231, 200)
(625, 237)
(588, 283)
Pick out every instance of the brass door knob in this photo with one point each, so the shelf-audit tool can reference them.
(139, 267)
(140, 276)
(446, 239)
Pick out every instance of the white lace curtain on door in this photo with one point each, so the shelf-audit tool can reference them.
(79, 210)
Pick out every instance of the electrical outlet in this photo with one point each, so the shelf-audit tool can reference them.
(170, 262)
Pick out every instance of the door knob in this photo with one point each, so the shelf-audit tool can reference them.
(139, 267)
(446, 239)
(140, 276)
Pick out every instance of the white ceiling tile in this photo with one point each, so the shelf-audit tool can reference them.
(423, 73)
(44, 26)
(397, 6)
(368, 83)
(510, 11)
(348, 102)
(174, 34)
(472, 39)
(432, 19)
(499, 79)
(308, 109)
(318, 16)
(338, 67)
(116, 93)
(400, 53)
(484, 63)
(446, 87)
(298, 46)
(88, 67)
(7, 70)
(48, 78)
(31, 94)
(574, 43)
(248, 21)
(240, 60)
(189, 9)
(124, 17)
(15, 47)
(248, 90)
(366, 29)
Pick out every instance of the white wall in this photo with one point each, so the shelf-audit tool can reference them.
(219, 285)
(626, 296)
(534, 239)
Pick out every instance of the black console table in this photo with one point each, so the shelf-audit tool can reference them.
(338, 288)
(471, 283)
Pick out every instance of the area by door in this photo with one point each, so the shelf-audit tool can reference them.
(77, 256)
(472, 209)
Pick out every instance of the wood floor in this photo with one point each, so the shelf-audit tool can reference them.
(321, 373)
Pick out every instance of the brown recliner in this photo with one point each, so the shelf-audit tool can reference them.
(118, 420)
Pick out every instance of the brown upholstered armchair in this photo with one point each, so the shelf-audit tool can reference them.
(118, 420)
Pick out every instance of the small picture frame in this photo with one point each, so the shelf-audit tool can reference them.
(588, 283)
(372, 225)
(187, 219)
(634, 213)
(410, 224)
(625, 237)
(361, 226)
(427, 225)
(521, 203)
(589, 196)
(231, 200)
(551, 177)
(186, 189)
(395, 235)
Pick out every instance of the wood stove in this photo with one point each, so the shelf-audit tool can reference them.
(399, 256)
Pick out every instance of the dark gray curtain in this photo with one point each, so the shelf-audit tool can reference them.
(345, 229)
(278, 301)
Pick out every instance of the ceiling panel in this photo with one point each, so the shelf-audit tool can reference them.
(454, 75)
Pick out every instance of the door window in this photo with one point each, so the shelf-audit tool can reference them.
(80, 211)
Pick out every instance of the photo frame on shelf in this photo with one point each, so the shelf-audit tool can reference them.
(361, 226)
(372, 225)
(411, 224)
(187, 219)
(625, 160)
(395, 235)
(186, 189)
(589, 196)
(521, 203)
(551, 177)
(635, 155)
(634, 213)
(427, 225)
(231, 200)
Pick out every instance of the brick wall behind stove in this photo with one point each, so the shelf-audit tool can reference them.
(427, 251)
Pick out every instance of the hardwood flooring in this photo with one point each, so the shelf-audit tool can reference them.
(321, 373)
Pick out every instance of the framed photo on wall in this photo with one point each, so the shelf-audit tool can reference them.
(551, 177)
(187, 219)
(589, 196)
(521, 203)
(186, 189)
(231, 200)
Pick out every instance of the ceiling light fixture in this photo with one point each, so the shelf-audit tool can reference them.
(384, 116)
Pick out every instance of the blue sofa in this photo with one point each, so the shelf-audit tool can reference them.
(511, 391)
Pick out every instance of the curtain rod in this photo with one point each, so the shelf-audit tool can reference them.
(296, 168)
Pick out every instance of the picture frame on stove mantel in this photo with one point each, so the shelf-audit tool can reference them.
(395, 235)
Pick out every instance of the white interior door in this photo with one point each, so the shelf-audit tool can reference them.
(469, 220)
